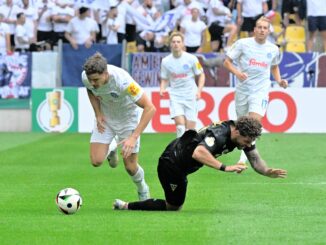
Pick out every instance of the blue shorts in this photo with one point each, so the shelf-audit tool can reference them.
(316, 23)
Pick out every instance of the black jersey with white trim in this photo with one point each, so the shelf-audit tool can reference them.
(216, 138)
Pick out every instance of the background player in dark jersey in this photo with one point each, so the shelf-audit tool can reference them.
(193, 150)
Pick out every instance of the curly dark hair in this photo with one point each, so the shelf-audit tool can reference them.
(248, 126)
(95, 64)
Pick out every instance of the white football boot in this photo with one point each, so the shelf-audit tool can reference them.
(112, 157)
(120, 205)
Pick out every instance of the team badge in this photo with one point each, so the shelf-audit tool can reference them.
(133, 89)
(269, 55)
(210, 141)
(185, 67)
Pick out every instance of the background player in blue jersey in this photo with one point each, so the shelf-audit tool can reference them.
(193, 150)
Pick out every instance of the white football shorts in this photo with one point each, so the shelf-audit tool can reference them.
(256, 103)
(187, 108)
(122, 131)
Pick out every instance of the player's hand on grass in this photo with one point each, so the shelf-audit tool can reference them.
(238, 168)
(276, 173)
(100, 120)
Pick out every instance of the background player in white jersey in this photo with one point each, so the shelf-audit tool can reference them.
(256, 58)
(182, 70)
(116, 98)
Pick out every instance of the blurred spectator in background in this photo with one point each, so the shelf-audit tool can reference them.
(110, 26)
(249, 11)
(219, 19)
(44, 26)
(10, 11)
(61, 15)
(184, 9)
(31, 19)
(81, 30)
(150, 12)
(290, 7)
(22, 38)
(5, 46)
(130, 22)
(316, 12)
(194, 32)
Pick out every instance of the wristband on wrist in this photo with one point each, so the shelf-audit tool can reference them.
(222, 168)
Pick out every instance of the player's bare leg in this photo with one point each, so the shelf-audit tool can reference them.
(98, 152)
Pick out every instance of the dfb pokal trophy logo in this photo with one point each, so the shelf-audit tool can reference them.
(55, 114)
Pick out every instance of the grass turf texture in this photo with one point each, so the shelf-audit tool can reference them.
(221, 208)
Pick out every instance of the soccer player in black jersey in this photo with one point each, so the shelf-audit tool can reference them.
(193, 150)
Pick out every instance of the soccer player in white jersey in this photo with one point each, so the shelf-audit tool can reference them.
(116, 98)
(256, 58)
(181, 70)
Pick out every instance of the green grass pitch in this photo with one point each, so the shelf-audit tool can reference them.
(221, 208)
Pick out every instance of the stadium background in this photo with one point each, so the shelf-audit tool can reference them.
(220, 208)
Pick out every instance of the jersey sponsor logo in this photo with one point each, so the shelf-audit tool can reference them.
(254, 62)
(198, 65)
(133, 89)
(173, 187)
(176, 76)
(209, 141)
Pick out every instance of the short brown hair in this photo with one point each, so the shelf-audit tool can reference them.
(176, 34)
(95, 64)
(248, 126)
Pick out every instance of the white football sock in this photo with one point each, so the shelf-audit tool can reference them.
(139, 180)
(180, 130)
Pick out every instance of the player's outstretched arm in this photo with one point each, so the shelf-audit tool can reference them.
(260, 166)
(202, 155)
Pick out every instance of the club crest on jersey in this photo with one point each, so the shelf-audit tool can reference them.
(114, 94)
(210, 141)
(133, 89)
(185, 67)
(269, 55)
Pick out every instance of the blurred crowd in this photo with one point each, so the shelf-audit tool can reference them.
(35, 25)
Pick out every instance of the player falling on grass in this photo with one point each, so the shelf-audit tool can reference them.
(115, 98)
(181, 70)
(193, 150)
(256, 59)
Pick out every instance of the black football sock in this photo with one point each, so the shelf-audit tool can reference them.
(149, 205)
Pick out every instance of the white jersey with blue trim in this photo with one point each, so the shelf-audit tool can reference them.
(181, 72)
(255, 60)
(118, 96)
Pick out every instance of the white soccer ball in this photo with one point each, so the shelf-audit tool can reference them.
(68, 201)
